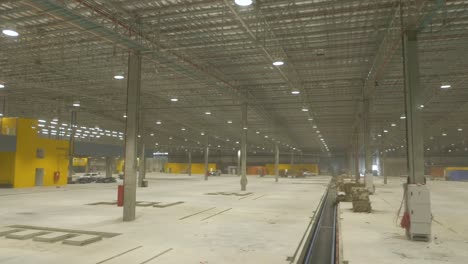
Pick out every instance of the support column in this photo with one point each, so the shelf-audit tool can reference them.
(142, 164)
(369, 178)
(356, 159)
(276, 162)
(109, 161)
(207, 150)
(189, 163)
(383, 156)
(414, 125)
(239, 162)
(133, 103)
(71, 145)
(244, 126)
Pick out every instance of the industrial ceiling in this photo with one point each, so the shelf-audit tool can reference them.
(212, 56)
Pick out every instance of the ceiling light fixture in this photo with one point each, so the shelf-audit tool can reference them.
(76, 104)
(295, 92)
(278, 63)
(174, 99)
(229, 122)
(207, 113)
(445, 86)
(304, 109)
(402, 117)
(158, 122)
(243, 2)
(119, 77)
(385, 131)
(460, 129)
(10, 32)
(421, 106)
(2, 86)
(310, 119)
(393, 125)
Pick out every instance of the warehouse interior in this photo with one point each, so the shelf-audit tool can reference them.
(233, 131)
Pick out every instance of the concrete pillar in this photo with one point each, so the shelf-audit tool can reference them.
(71, 144)
(189, 163)
(239, 162)
(292, 158)
(207, 150)
(414, 125)
(356, 158)
(382, 165)
(244, 126)
(276, 162)
(133, 103)
(109, 161)
(142, 165)
(369, 178)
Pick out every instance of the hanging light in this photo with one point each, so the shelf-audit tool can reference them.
(278, 63)
(243, 2)
(295, 92)
(2, 86)
(305, 109)
(76, 104)
(174, 99)
(10, 32)
(445, 86)
(119, 77)
(402, 117)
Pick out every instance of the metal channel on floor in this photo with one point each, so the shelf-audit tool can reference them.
(319, 245)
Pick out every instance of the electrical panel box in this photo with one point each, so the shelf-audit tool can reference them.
(418, 203)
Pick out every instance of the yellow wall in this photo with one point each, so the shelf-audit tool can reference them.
(8, 125)
(296, 167)
(26, 162)
(80, 162)
(7, 167)
(120, 165)
(197, 168)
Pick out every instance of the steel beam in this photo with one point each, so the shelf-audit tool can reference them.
(133, 103)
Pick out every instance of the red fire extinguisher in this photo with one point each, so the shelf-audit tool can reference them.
(56, 176)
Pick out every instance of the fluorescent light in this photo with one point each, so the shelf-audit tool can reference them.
(158, 122)
(76, 104)
(295, 92)
(174, 100)
(379, 135)
(445, 86)
(402, 117)
(152, 134)
(278, 63)
(41, 121)
(207, 113)
(2, 86)
(229, 122)
(202, 133)
(1, 114)
(119, 77)
(385, 131)
(421, 106)
(183, 129)
(124, 116)
(305, 109)
(444, 134)
(10, 32)
(310, 119)
(245, 128)
(243, 2)
(460, 129)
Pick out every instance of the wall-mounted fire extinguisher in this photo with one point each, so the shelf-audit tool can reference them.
(56, 176)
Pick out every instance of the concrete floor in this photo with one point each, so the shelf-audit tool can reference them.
(377, 237)
(264, 227)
